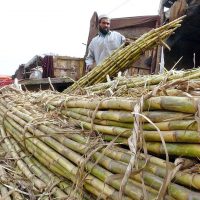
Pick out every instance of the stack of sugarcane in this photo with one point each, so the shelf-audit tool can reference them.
(122, 58)
(24, 177)
(175, 117)
(112, 117)
(123, 86)
(86, 161)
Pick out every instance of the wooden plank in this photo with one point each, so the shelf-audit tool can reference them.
(68, 67)
(45, 81)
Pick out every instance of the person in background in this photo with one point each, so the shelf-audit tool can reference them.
(103, 44)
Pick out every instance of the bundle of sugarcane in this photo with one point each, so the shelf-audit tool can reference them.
(174, 117)
(118, 167)
(143, 84)
(122, 58)
(68, 154)
(61, 159)
(23, 177)
(112, 117)
(171, 117)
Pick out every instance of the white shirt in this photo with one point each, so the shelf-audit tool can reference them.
(102, 46)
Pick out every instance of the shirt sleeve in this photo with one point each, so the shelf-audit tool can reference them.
(89, 60)
(123, 39)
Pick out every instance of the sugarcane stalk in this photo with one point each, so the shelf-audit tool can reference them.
(179, 104)
(176, 136)
(145, 80)
(122, 116)
(183, 178)
(56, 191)
(172, 125)
(171, 103)
(108, 130)
(156, 166)
(115, 139)
(23, 167)
(104, 122)
(96, 192)
(171, 79)
(112, 103)
(174, 190)
(169, 136)
(190, 150)
(64, 184)
(127, 117)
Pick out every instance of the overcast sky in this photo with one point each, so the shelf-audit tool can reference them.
(39, 27)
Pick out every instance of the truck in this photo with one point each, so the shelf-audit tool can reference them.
(62, 71)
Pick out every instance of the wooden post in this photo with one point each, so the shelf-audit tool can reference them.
(161, 14)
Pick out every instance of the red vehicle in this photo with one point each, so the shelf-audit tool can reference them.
(5, 80)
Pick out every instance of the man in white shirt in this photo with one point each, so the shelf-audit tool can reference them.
(103, 44)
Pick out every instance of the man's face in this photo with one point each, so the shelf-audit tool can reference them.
(104, 25)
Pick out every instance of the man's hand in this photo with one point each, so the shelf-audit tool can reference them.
(88, 68)
(127, 42)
